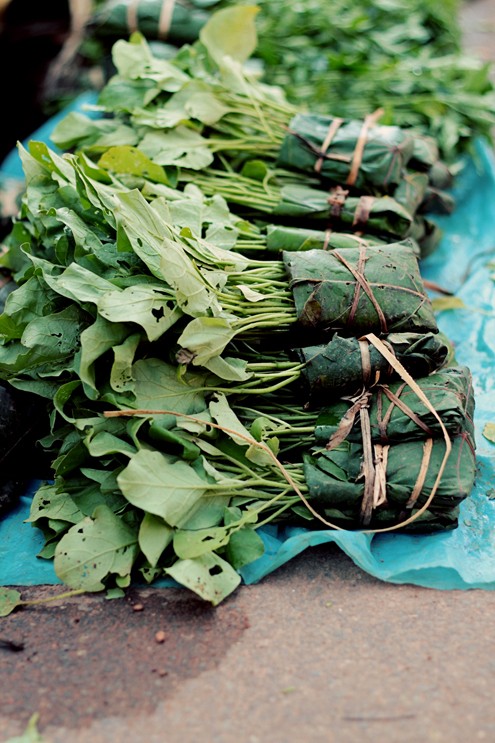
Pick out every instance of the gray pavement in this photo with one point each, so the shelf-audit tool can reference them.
(319, 651)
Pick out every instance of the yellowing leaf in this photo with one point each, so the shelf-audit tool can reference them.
(231, 32)
(127, 159)
(489, 432)
(448, 303)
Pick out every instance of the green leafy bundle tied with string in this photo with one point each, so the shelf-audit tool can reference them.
(355, 291)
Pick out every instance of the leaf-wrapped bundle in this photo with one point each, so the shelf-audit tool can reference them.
(346, 365)
(284, 237)
(179, 21)
(336, 483)
(370, 289)
(450, 392)
(355, 153)
(381, 214)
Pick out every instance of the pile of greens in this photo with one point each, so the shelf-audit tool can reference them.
(204, 118)
(207, 372)
(111, 297)
(405, 57)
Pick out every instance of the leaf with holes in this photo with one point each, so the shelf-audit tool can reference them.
(209, 576)
(95, 549)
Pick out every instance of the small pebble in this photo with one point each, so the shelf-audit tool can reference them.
(160, 636)
(138, 607)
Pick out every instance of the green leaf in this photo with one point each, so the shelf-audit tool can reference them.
(96, 340)
(121, 378)
(209, 576)
(105, 443)
(157, 386)
(76, 129)
(222, 413)
(134, 60)
(489, 432)
(53, 338)
(79, 284)
(131, 160)
(208, 512)
(9, 600)
(114, 593)
(231, 32)
(49, 503)
(159, 485)
(27, 302)
(229, 368)
(154, 537)
(180, 147)
(244, 547)
(174, 441)
(94, 549)
(190, 544)
(206, 337)
(150, 306)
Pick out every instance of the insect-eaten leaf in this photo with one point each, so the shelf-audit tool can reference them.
(94, 549)
(209, 576)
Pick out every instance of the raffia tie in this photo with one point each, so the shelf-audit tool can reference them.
(357, 158)
(362, 212)
(362, 284)
(332, 131)
(375, 457)
(336, 200)
(395, 401)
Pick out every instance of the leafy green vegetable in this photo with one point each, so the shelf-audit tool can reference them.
(31, 734)
(9, 600)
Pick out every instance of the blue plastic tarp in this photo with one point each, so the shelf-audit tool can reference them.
(459, 559)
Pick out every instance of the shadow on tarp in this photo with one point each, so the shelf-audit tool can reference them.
(459, 559)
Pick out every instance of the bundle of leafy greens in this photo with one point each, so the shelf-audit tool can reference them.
(143, 319)
(405, 57)
(106, 282)
(163, 492)
(96, 257)
(396, 413)
(179, 21)
(346, 366)
(204, 108)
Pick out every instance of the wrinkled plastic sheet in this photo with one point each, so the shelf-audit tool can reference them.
(460, 559)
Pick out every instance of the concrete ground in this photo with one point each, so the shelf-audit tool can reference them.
(319, 651)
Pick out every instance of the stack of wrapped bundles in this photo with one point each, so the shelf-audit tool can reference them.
(207, 372)
(198, 119)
